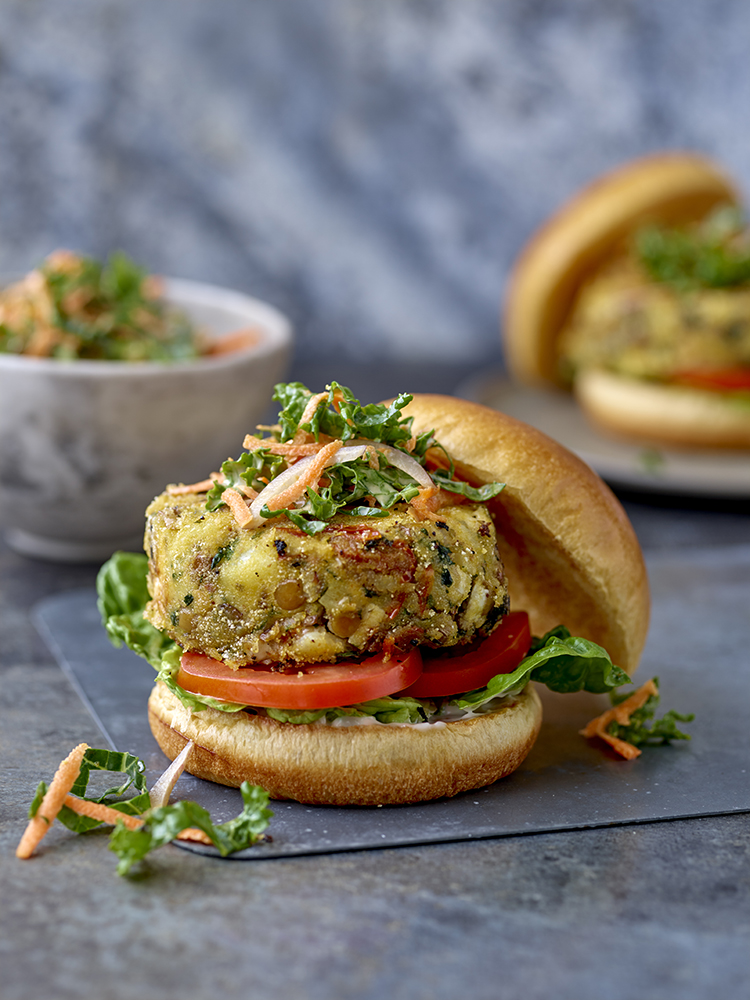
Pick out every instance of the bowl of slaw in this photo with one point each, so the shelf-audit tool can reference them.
(87, 441)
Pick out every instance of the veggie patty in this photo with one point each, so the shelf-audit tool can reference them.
(277, 594)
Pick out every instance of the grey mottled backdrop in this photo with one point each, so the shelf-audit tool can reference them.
(369, 166)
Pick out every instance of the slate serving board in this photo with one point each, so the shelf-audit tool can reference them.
(699, 647)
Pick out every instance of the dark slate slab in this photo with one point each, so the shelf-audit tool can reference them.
(699, 647)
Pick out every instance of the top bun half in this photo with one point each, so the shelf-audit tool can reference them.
(668, 189)
(569, 550)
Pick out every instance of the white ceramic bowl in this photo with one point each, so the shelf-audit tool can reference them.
(85, 445)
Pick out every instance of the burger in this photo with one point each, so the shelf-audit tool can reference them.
(352, 612)
(635, 295)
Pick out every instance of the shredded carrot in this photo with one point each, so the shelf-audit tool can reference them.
(106, 814)
(237, 505)
(194, 834)
(63, 781)
(312, 404)
(310, 476)
(97, 810)
(621, 715)
(247, 491)
(237, 341)
(203, 486)
(432, 499)
(252, 443)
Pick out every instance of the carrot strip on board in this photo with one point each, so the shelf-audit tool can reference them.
(63, 781)
(621, 715)
(194, 834)
(237, 505)
(625, 749)
(310, 476)
(97, 810)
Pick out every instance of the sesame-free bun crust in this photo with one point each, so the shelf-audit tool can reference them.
(351, 765)
(568, 548)
(669, 188)
(656, 414)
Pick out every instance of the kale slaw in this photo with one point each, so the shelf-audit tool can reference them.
(380, 464)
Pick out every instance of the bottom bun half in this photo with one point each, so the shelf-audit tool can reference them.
(663, 414)
(349, 765)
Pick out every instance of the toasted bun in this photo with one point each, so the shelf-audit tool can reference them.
(662, 414)
(670, 188)
(352, 765)
(569, 550)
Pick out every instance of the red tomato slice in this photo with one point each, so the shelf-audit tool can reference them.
(500, 653)
(323, 685)
(718, 380)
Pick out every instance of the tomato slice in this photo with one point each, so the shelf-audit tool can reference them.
(500, 653)
(716, 380)
(323, 685)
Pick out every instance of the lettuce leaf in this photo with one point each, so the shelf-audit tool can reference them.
(162, 826)
(375, 421)
(167, 674)
(122, 590)
(382, 709)
(563, 662)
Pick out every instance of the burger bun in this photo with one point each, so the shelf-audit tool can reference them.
(365, 764)
(571, 557)
(595, 226)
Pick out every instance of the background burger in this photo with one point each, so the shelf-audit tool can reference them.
(345, 614)
(636, 295)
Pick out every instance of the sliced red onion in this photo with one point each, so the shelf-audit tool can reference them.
(406, 463)
(159, 794)
(347, 453)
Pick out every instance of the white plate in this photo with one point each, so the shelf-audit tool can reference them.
(690, 473)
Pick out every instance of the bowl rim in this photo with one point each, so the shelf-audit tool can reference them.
(274, 326)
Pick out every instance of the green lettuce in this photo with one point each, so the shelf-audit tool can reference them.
(162, 826)
(713, 255)
(122, 592)
(642, 728)
(381, 709)
(563, 662)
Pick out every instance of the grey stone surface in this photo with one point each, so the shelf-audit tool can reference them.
(658, 911)
(370, 168)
